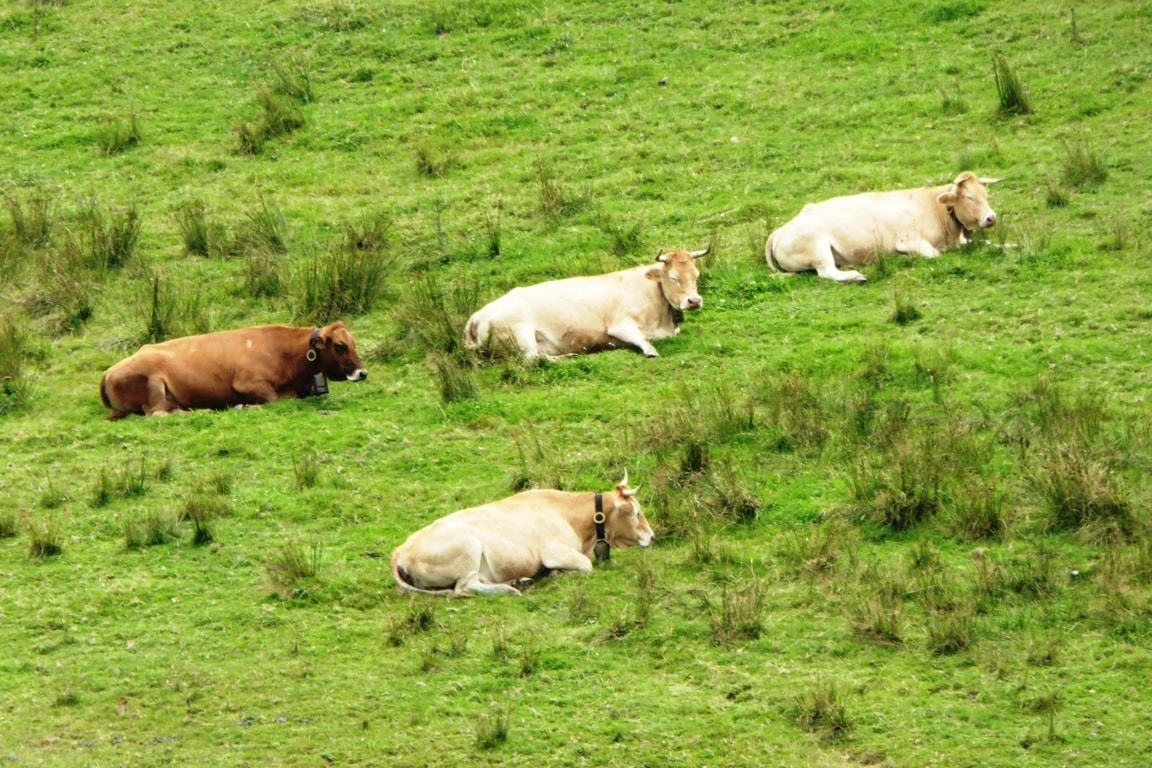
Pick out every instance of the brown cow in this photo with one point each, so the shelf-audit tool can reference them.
(248, 366)
(487, 549)
(850, 230)
(587, 314)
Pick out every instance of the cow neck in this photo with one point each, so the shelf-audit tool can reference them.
(676, 312)
(601, 548)
(319, 385)
(967, 233)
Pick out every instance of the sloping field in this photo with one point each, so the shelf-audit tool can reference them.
(900, 523)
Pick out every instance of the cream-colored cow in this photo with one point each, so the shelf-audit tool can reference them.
(486, 549)
(591, 313)
(851, 230)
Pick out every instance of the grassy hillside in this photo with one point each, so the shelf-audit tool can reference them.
(901, 523)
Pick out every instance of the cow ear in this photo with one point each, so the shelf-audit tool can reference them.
(948, 197)
(321, 339)
(655, 273)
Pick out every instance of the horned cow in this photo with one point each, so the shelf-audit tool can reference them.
(851, 230)
(487, 549)
(247, 366)
(631, 307)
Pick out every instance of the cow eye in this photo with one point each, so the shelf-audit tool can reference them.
(341, 348)
(971, 198)
(674, 279)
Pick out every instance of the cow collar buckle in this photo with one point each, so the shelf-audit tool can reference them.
(319, 383)
(601, 549)
(963, 229)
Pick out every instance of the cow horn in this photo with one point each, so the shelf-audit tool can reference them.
(986, 182)
(698, 254)
(624, 482)
(660, 256)
(629, 492)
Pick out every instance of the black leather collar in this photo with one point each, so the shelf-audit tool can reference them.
(601, 549)
(963, 229)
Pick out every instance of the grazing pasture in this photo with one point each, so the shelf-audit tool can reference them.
(900, 523)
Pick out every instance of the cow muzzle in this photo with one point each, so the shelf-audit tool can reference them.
(989, 220)
(358, 375)
(692, 302)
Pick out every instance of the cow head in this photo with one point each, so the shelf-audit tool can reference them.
(967, 200)
(626, 524)
(677, 276)
(336, 354)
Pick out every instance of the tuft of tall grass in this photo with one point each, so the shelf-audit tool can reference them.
(46, 539)
(493, 726)
(125, 483)
(15, 383)
(8, 524)
(265, 228)
(1082, 493)
(454, 379)
(371, 233)
(160, 313)
(950, 632)
(203, 510)
(293, 566)
(952, 103)
(109, 241)
(192, 220)
(1057, 195)
(151, 530)
(1048, 704)
(279, 116)
(291, 77)
(813, 550)
(348, 281)
(904, 310)
(263, 274)
(556, 198)
(492, 228)
(31, 220)
(901, 487)
(979, 512)
(307, 470)
(435, 314)
(119, 134)
(1083, 166)
(822, 710)
(432, 161)
(739, 614)
(878, 617)
(795, 413)
(64, 291)
(1012, 93)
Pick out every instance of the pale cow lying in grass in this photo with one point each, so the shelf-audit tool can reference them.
(487, 549)
(851, 230)
(631, 307)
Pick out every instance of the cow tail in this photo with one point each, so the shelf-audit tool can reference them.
(472, 332)
(770, 253)
(104, 392)
(404, 581)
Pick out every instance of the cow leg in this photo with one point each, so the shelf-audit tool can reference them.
(525, 336)
(824, 262)
(630, 333)
(255, 392)
(472, 584)
(559, 558)
(160, 402)
(917, 248)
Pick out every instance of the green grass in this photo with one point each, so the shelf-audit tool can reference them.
(899, 523)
